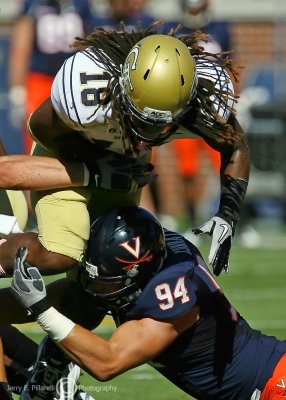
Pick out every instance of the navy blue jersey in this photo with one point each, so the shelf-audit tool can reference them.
(221, 356)
(218, 32)
(57, 24)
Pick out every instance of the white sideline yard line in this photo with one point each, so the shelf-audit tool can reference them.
(148, 376)
(257, 294)
(263, 269)
(268, 324)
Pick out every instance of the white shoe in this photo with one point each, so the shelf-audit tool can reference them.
(83, 396)
(66, 387)
(53, 377)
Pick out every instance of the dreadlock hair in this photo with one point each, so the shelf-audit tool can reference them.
(204, 120)
(111, 48)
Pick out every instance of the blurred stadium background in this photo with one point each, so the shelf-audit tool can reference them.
(256, 281)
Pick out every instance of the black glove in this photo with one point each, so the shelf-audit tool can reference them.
(27, 285)
(221, 232)
(118, 172)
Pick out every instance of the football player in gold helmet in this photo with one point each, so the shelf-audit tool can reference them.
(158, 82)
(110, 103)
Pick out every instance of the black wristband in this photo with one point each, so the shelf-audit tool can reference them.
(232, 195)
(38, 308)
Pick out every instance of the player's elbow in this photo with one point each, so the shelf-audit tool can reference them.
(103, 377)
(109, 370)
(112, 363)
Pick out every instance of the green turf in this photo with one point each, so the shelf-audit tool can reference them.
(256, 287)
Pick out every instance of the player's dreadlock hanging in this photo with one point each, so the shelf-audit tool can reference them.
(111, 48)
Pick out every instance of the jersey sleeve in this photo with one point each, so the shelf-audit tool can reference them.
(214, 72)
(77, 90)
(168, 295)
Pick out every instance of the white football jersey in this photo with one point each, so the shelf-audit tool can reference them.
(75, 95)
(82, 80)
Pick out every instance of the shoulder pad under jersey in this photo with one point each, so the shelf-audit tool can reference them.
(77, 90)
(214, 72)
(170, 294)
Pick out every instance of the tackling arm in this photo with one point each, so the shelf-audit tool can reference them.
(23, 172)
(133, 343)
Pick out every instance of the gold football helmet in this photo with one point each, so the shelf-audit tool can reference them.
(158, 82)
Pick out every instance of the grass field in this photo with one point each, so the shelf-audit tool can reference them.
(256, 287)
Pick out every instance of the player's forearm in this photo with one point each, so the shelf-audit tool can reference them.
(234, 182)
(234, 173)
(90, 352)
(22, 172)
(101, 358)
(236, 164)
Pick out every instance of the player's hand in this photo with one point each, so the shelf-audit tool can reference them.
(27, 285)
(118, 172)
(221, 232)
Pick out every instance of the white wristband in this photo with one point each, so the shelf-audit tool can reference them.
(9, 224)
(55, 324)
(86, 175)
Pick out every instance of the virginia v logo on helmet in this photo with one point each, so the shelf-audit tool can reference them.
(126, 248)
(158, 82)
